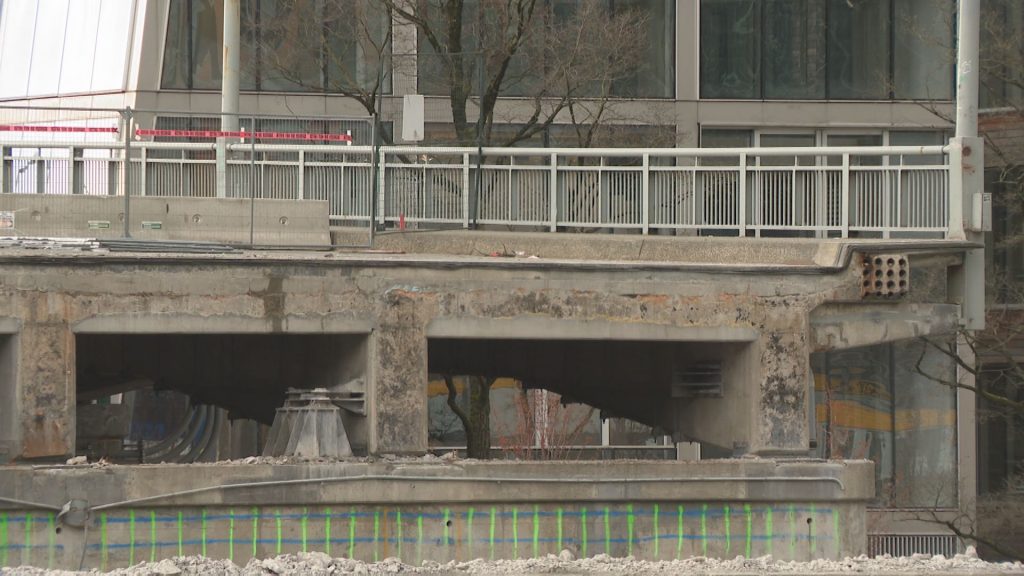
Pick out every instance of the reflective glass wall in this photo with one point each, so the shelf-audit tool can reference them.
(892, 404)
(287, 45)
(57, 47)
(826, 49)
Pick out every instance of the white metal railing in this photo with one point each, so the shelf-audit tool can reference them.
(756, 191)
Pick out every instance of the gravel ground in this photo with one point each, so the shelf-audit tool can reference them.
(318, 564)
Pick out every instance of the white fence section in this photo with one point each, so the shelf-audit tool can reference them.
(757, 192)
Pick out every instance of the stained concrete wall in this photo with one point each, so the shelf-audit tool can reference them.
(9, 421)
(401, 300)
(426, 511)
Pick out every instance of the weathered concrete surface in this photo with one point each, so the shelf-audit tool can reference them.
(57, 295)
(850, 324)
(275, 222)
(421, 510)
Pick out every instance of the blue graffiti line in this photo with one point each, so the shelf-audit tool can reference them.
(14, 546)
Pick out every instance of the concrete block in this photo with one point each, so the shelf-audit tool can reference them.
(102, 420)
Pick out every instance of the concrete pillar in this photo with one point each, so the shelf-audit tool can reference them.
(46, 391)
(397, 403)
(782, 402)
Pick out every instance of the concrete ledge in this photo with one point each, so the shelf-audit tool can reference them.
(185, 324)
(840, 325)
(562, 329)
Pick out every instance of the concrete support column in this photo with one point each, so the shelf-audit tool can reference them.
(783, 400)
(46, 391)
(398, 378)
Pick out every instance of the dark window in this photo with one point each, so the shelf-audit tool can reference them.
(826, 49)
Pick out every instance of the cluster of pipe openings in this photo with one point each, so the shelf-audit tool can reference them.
(195, 440)
(309, 425)
(885, 276)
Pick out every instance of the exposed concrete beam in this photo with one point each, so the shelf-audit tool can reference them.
(561, 329)
(840, 325)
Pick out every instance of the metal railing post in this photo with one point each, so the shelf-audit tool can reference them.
(380, 159)
(302, 174)
(143, 168)
(72, 188)
(465, 190)
(742, 208)
(6, 170)
(125, 165)
(645, 202)
(844, 208)
(554, 192)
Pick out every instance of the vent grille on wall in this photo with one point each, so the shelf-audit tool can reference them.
(885, 276)
(910, 544)
(702, 380)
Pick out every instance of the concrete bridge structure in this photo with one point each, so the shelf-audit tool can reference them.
(616, 322)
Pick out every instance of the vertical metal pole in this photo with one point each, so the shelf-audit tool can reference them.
(129, 129)
(252, 182)
(967, 64)
(479, 139)
(376, 164)
(6, 169)
(230, 73)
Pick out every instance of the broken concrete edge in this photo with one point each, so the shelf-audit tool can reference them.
(432, 482)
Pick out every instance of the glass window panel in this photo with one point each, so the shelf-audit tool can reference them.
(858, 49)
(851, 140)
(18, 32)
(730, 53)
(207, 30)
(917, 138)
(79, 47)
(113, 33)
(794, 48)
(655, 77)
(924, 473)
(48, 47)
(176, 48)
(357, 38)
(787, 141)
(290, 36)
(922, 56)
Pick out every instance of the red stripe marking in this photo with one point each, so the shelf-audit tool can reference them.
(17, 128)
(242, 134)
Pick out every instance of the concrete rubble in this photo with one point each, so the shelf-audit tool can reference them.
(319, 564)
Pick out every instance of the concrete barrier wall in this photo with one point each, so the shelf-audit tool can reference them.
(423, 511)
(226, 220)
(414, 533)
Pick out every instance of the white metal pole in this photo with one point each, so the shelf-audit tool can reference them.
(967, 64)
(230, 73)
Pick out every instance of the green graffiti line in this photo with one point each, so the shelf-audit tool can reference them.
(791, 515)
(657, 532)
(131, 537)
(536, 530)
(727, 516)
(769, 536)
(583, 531)
(704, 529)
(469, 531)
(835, 532)
(51, 540)
(202, 530)
(750, 529)
(515, 531)
(152, 536)
(559, 529)
(327, 532)
(419, 539)
(607, 531)
(104, 551)
(255, 531)
(630, 520)
(494, 514)
(231, 534)
(376, 536)
(352, 533)
(280, 531)
(3, 538)
(679, 533)
(447, 523)
(304, 529)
